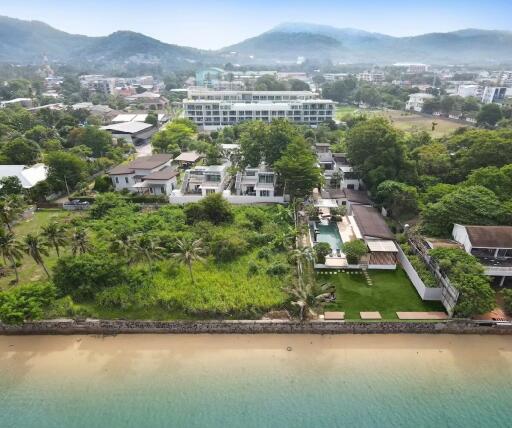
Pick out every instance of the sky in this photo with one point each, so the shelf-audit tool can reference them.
(211, 24)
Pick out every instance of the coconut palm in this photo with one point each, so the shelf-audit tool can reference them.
(10, 209)
(36, 247)
(122, 244)
(79, 241)
(189, 250)
(55, 234)
(11, 249)
(303, 256)
(307, 295)
(148, 248)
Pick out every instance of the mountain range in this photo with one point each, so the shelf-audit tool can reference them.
(29, 42)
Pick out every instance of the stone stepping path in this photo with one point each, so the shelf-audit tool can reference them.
(370, 315)
(367, 277)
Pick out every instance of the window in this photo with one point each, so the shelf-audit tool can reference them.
(117, 180)
(126, 180)
(266, 178)
(210, 191)
(264, 193)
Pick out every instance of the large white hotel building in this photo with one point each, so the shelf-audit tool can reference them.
(214, 109)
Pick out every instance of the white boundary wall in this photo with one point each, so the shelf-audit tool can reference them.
(426, 293)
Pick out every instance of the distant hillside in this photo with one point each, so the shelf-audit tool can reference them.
(28, 42)
(283, 46)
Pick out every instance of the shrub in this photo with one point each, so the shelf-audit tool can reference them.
(26, 302)
(82, 277)
(277, 269)
(227, 248)
(265, 253)
(252, 268)
(466, 274)
(104, 203)
(103, 184)
(322, 249)
(354, 250)
(115, 297)
(213, 208)
(507, 300)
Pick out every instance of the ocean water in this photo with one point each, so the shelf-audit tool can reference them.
(256, 381)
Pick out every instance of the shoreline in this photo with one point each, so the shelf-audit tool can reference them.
(114, 327)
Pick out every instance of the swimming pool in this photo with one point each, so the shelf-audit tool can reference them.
(328, 233)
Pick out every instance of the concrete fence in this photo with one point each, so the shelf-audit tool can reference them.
(91, 326)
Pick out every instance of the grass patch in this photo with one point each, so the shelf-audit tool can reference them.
(411, 122)
(341, 111)
(28, 270)
(391, 292)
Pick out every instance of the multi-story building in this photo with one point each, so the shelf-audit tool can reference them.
(259, 182)
(469, 91)
(147, 174)
(371, 76)
(416, 101)
(494, 94)
(491, 245)
(215, 109)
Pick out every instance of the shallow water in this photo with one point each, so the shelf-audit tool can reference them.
(255, 381)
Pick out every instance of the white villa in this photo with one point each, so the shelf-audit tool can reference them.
(147, 175)
(258, 182)
(416, 101)
(491, 245)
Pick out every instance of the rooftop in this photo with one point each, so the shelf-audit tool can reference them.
(357, 196)
(28, 176)
(188, 157)
(490, 236)
(163, 174)
(144, 162)
(128, 127)
(371, 223)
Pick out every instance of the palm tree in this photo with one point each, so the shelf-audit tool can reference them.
(123, 244)
(36, 247)
(189, 250)
(10, 208)
(307, 295)
(302, 255)
(147, 247)
(79, 241)
(55, 234)
(11, 249)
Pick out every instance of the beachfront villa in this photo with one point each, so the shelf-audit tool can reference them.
(360, 222)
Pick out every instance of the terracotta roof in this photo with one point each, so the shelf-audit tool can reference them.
(490, 236)
(163, 174)
(371, 223)
(357, 196)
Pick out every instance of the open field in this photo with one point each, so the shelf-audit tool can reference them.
(343, 110)
(391, 291)
(411, 122)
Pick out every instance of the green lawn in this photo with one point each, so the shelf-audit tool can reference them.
(28, 270)
(391, 292)
(343, 110)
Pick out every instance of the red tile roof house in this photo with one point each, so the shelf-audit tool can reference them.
(147, 175)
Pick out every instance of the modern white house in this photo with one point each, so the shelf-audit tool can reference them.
(416, 101)
(29, 176)
(134, 132)
(212, 110)
(258, 182)
(493, 94)
(465, 91)
(203, 180)
(147, 174)
(491, 245)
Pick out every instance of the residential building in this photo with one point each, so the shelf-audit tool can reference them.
(29, 176)
(333, 77)
(469, 91)
(491, 245)
(259, 182)
(139, 117)
(371, 76)
(186, 159)
(148, 101)
(209, 77)
(214, 109)
(494, 94)
(416, 101)
(204, 180)
(147, 174)
(413, 68)
(134, 132)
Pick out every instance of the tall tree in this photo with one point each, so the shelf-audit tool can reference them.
(298, 169)
(56, 235)
(36, 247)
(79, 242)
(148, 248)
(189, 251)
(11, 250)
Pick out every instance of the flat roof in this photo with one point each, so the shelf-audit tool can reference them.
(188, 157)
(382, 246)
(490, 236)
(128, 127)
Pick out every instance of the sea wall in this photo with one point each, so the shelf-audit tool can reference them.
(91, 326)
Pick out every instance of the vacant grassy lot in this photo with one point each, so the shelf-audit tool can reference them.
(28, 270)
(391, 292)
(343, 110)
(411, 122)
